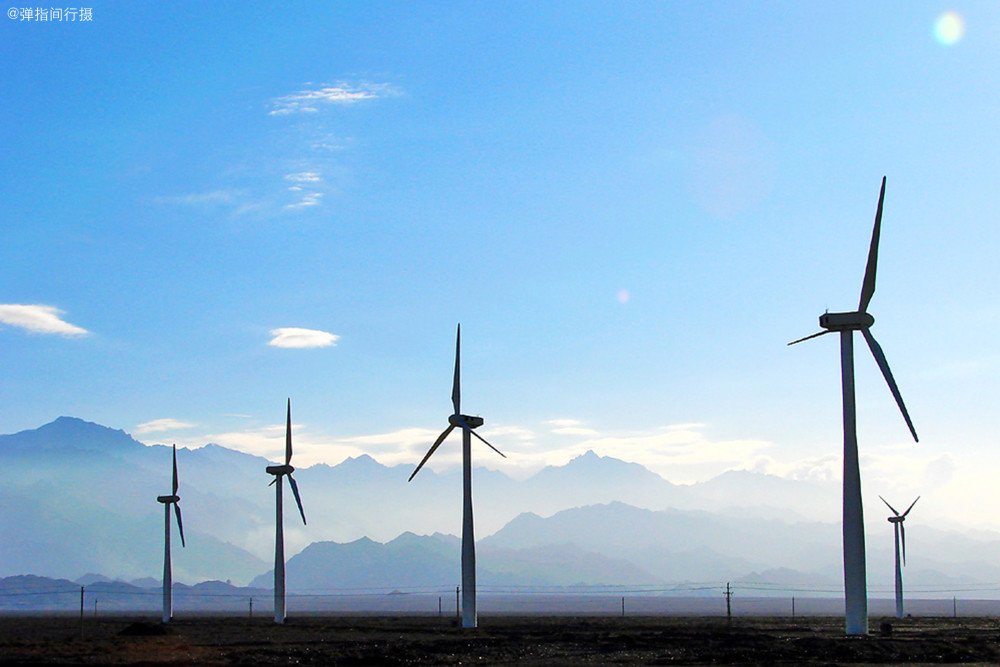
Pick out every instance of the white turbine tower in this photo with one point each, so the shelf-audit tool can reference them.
(900, 535)
(172, 499)
(279, 533)
(855, 584)
(467, 424)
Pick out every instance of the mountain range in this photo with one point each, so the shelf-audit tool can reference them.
(80, 497)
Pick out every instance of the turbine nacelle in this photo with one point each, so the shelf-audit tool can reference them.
(168, 499)
(280, 470)
(846, 321)
(896, 519)
(465, 421)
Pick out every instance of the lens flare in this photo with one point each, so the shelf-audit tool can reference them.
(949, 28)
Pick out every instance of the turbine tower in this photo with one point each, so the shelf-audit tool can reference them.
(279, 533)
(855, 584)
(897, 522)
(467, 424)
(172, 499)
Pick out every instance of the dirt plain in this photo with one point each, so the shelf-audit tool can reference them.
(500, 640)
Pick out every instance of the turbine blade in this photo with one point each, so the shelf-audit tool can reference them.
(180, 523)
(273, 481)
(175, 471)
(911, 506)
(815, 335)
(884, 367)
(889, 506)
(902, 538)
(456, 385)
(484, 441)
(298, 500)
(288, 434)
(437, 443)
(868, 286)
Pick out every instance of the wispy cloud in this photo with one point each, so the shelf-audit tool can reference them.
(570, 427)
(159, 425)
(305, 177)
(339, 94)
(307, 199)
(203, 198)
(310, 449)
(302, 338)
(38, 318)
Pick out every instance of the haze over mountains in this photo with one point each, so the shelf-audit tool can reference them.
(79, 497)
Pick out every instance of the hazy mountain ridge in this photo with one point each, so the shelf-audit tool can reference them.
(81, 497)
(412, 562)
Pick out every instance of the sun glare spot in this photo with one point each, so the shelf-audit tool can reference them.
(623, 296)
(949, 28)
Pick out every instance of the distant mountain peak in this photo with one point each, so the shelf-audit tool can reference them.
(71, 433)
(363, 461)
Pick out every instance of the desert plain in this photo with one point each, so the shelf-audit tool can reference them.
(499, 640)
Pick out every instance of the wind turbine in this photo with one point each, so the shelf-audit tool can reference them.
(897, 523)
(172, 499)
(279, 532)
(855, 584)
(467, 424)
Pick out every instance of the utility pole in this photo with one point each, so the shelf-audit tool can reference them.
(439, 607)
(82, 588)
(458, 611)
(623, 605)
(954, 607)
(793, 606)
(251, 607)
(729, 609)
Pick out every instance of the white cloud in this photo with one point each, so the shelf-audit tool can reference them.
(402, 446)
(203, 198)
(158, 425)
(39, 319)
(310, 101)
(308, 199)
(302, 338)
(570, 427)
(304, 177)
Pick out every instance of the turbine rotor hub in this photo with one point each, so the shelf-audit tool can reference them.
(465, 420)
(846, 321)
(895, 519)
(168, 499)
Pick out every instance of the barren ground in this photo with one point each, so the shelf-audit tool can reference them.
(500, 640)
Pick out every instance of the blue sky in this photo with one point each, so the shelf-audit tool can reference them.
(630, 207)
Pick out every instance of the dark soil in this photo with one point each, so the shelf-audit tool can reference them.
(500, 640)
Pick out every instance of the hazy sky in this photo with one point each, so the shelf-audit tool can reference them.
(631, 207)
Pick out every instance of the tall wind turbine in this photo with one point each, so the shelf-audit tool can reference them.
(172, 499)
(467, 424)
(855, 584)
(897, 522)
(279, 532)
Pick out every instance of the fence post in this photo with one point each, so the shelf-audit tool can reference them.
(729, 609)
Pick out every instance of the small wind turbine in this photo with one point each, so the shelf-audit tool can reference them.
(279, 533)
(855, 584)
(897, 522)
(467, 424)
(172, 499)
